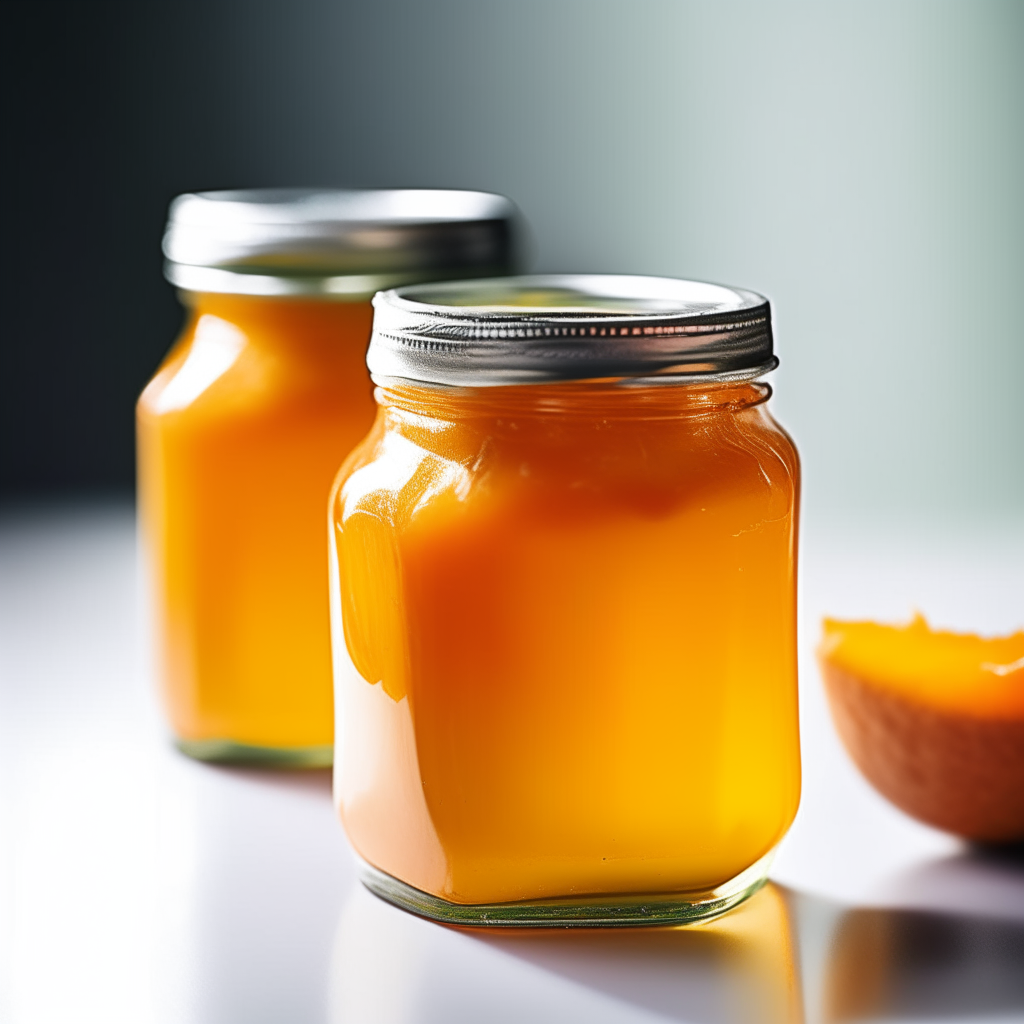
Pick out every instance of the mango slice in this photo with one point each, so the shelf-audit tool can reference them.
(934, 720)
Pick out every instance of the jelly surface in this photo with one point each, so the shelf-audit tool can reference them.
(240, 434)
(565, 639)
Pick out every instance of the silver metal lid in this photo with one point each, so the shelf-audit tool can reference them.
(344, 243)
(523, 330)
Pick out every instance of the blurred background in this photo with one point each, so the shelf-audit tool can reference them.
(859, 163)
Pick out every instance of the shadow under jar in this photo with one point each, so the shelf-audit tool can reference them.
(564, 603)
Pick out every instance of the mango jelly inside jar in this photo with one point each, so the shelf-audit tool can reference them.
(564, 593)
(241, 431)
(239, 434)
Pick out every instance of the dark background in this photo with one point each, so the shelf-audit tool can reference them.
(110, 110)
(860, 162)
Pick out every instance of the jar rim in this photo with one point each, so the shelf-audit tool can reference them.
(557, 327)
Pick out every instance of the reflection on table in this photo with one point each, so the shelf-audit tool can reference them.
(878, 965)
(151, 889)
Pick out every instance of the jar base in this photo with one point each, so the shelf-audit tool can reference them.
(230, 752)
(613, 910)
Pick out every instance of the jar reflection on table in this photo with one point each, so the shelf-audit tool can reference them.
(388, 967)
(565, 635)
(241, 430)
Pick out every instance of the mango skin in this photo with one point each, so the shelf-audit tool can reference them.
(958, 773)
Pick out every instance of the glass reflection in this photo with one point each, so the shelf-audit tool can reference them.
(955, 954)
(782, 957)
(392, 968)
(912, 965)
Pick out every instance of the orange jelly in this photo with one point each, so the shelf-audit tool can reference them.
(239, 436)
(565, 638)
(242, 429)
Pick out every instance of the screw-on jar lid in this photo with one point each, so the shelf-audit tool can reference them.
(522, 330)
(347, 243)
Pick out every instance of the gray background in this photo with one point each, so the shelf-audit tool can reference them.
(859, 163)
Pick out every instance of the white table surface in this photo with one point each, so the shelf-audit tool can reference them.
(139, 886)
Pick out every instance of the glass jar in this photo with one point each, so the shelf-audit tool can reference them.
(241, 430)
(564, 603)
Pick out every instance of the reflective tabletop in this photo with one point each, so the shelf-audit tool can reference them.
(139, 886)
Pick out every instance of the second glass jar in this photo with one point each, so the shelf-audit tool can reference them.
(241, 430)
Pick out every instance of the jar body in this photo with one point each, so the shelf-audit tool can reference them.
(565, 640)
(240, 433)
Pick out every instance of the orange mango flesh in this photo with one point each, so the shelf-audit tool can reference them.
(958, 673)
(565, 639)
(240, 434)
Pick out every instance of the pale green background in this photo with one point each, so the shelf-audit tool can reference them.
(862, 164)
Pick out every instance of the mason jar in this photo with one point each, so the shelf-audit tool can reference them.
(564, 603)
(241, 430)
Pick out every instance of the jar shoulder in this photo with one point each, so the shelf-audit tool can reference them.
(220, 368)
(406, 464)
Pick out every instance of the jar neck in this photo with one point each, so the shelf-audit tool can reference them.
(606, 399)
(289, 324)
(240, 308)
